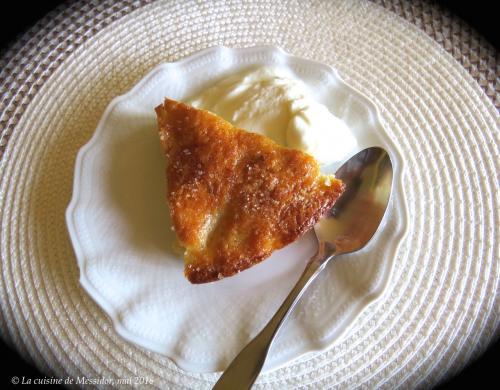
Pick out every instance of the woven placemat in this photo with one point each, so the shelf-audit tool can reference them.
(436, 84)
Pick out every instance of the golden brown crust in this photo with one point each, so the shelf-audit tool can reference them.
(235, 196)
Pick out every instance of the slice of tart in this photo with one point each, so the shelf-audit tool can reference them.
(235, 196)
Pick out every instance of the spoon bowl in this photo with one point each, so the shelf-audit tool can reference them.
(346, 228)
(356, 216)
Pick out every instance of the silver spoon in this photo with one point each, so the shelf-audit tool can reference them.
(348, 227)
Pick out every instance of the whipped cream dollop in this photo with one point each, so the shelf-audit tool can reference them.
(269, 101)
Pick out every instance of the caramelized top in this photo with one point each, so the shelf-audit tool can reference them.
(235, 196)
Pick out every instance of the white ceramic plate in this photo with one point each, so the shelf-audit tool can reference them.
(120, 228)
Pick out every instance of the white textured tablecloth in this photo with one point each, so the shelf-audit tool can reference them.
(441, 307)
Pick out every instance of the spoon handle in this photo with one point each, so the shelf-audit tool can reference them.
(246, 366)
